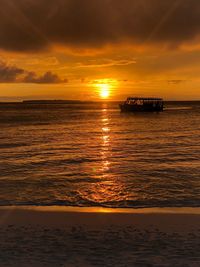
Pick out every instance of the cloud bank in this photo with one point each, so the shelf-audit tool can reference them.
(13, 74)
(29, 25)
(9, 73)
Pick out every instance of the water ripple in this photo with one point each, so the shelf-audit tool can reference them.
(88, 156)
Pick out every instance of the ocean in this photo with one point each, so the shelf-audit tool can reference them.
(91, 154)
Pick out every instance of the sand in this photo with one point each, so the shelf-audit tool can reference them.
(57, 236)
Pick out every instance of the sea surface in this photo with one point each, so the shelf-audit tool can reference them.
(90, 154)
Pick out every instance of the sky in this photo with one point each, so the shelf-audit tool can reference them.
(99, 49)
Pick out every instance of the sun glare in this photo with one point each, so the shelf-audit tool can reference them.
(104, 90)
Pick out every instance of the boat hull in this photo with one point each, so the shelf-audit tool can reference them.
(140, 108)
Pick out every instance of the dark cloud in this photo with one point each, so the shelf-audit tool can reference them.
(48, 77)
(176, 81)
(13, 74)
(28, 25)
(9, 73)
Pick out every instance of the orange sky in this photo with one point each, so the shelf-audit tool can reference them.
(104, 49)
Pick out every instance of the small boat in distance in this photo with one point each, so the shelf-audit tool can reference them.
(134, 104)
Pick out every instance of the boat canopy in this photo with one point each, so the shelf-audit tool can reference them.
(142, 104)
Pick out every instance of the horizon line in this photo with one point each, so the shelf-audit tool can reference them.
(57, 101)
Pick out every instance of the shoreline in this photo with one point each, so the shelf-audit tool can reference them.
(76, 209)
(166, 219)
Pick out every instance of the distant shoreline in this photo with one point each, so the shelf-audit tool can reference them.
(61, 102)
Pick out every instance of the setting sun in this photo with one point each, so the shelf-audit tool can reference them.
(105, 87)
(104, 90)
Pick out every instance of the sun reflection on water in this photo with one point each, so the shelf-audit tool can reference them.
(105, 142)
(108, 187)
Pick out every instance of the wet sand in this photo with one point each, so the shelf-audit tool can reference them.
(59, 236)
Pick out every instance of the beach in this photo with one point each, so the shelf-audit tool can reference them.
(64, 236)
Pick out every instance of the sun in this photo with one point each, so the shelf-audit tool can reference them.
(104, 90)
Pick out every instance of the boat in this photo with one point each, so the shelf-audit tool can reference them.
(150, 104)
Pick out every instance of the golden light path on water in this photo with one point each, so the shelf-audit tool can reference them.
(105, 141)
(103, 191)
(107, 188)
(110, 187)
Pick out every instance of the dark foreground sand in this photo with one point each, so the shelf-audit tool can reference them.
(39, 237)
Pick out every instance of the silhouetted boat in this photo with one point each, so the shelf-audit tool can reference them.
(134, 104)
